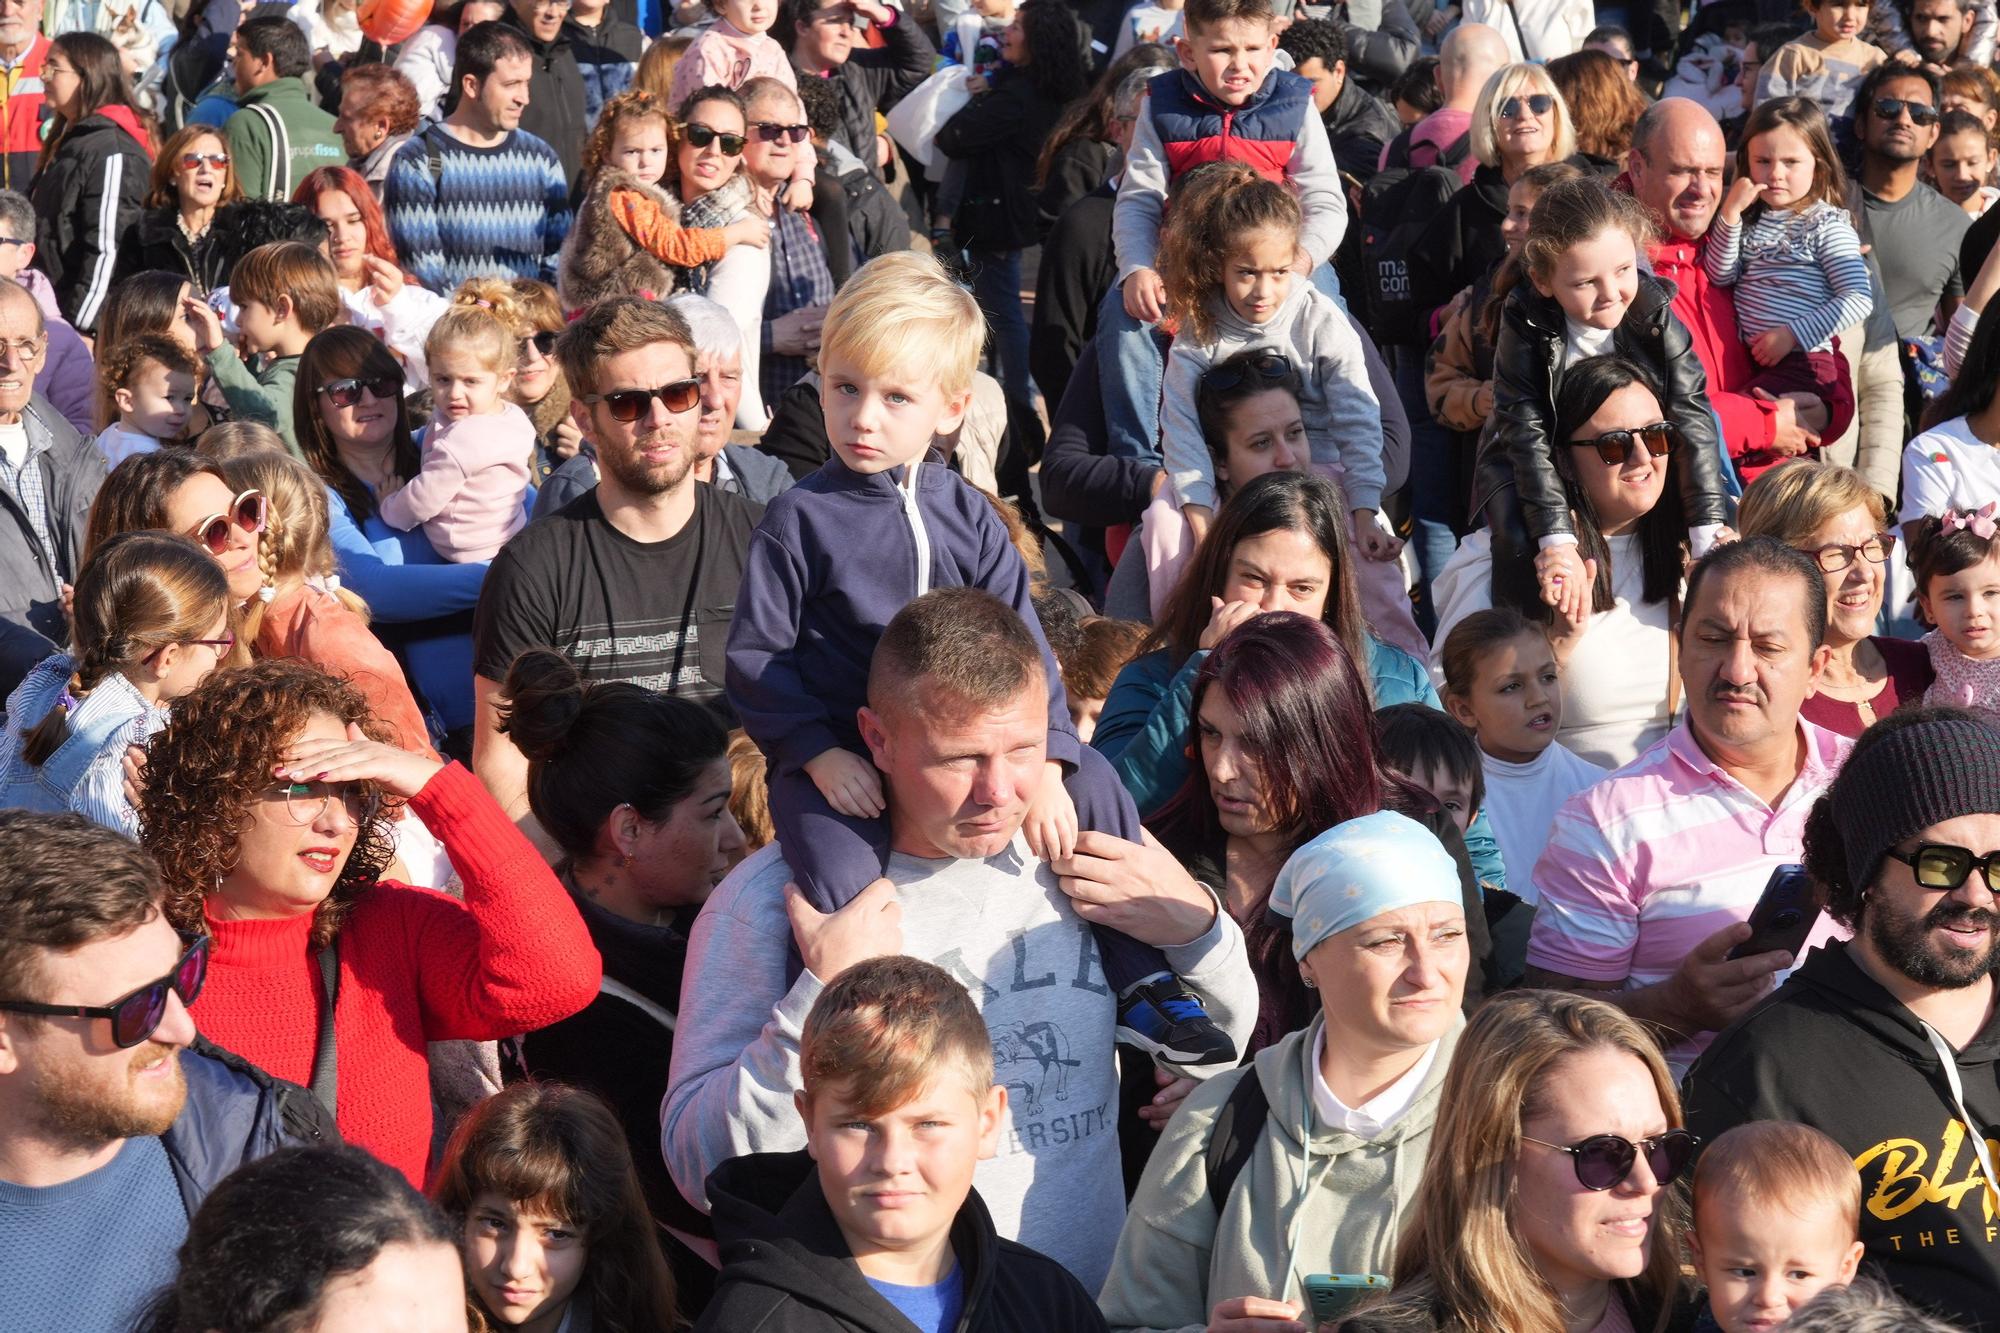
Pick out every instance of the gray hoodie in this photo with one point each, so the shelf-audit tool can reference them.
(1007, 931)
(1331, 1198)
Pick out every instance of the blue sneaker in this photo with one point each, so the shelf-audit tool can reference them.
(1166, 1020)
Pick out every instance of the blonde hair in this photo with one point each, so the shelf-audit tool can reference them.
(1778, 1164)
(1524, 79)
(903, 313)
(235, 439)
(295, 540)
(1570, 212)
(885, 1028)
(1795, 500)
(289, 269)
(138, 593)
(749, 794)
(522, 304)
(476, 331)
(1461, 1249)
(656, 67)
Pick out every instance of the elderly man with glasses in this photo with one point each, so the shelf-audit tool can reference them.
(49, 475)
(115, 1119)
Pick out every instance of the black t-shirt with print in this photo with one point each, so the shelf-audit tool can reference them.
(653, 613)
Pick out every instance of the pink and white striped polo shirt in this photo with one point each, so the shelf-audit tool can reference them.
(1660, 855)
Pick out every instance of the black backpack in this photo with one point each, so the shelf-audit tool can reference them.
(1397, 203)
(1237, 1126)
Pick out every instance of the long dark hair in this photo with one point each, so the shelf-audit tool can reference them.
(339, 353)
(1275, 502)
(265, 1244)
(1661, 531)
(1089, 117)
(134, 497)
(1058, 50)
(592, 747)
(101, 75)
(561, 1148)
(1309, 720)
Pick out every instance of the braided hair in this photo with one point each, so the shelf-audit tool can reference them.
(139, 592)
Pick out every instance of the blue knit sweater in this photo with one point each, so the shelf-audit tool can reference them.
(86, 1255)
(458, 212)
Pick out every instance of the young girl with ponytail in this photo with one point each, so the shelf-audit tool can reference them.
(151, 620)
(302, 611)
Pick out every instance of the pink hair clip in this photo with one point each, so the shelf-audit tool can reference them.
(1981, 521)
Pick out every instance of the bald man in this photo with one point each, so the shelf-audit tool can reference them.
(49, 474)
(1675, 169)
(1467, 59)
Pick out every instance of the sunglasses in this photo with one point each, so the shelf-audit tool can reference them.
(1539, 104)
(1921, 113)
(701, 136)
(631, 404)
(1604, 1160)
(189, 161)
(247, 511)
(347, 392)
(542, 341)
(1836, 556)
(1266, 366)
(772, 132)
(1615, 446)
(305, 802)
(137, 1016)
(1941, 866)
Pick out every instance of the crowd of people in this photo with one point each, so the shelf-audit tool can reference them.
(1050, 665)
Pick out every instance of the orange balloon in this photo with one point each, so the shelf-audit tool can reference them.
(392, 21)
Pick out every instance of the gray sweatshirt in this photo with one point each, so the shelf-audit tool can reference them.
(1004, 928)
(1343, 417)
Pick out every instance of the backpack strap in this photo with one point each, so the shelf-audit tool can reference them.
(619, 990)
(281, 151)
(1519, 35)
(326, 1063)
(1237, 1128)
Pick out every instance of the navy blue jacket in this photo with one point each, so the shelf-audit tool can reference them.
(236, 1113)
(835, 558)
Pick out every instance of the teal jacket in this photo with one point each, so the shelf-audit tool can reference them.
(1149, 716)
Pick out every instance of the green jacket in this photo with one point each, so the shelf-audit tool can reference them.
(303, 131)
(264, 396)
(1339, 1205)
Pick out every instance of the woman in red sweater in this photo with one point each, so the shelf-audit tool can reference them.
(267, 803)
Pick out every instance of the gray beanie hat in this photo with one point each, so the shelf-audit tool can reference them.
(1939, 766)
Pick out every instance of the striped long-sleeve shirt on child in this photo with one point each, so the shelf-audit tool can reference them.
(1802, 270)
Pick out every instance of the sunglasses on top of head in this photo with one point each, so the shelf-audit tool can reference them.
(1603, 1161)
(631, 404)
(247, 511)
(701, 136)
(347, 392)
(1539, 104)
(136, 1016)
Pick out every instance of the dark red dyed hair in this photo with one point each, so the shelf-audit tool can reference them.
(1309, 721)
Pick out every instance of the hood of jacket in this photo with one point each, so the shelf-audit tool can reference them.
(234, 1114)
(543, 50)
(777, 1232)
(1306, 1172)
(125, 118)
(1831, 974)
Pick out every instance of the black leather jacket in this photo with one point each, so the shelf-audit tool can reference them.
(1517, 452)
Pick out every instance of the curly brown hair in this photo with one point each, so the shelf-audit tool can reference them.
(1216, 207)
(216, 756)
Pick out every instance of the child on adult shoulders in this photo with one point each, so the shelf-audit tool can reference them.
(1956, 559)
(837, 555)
(469, 495)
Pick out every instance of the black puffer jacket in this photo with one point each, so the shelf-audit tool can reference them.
(87, 197)
(1461, 243)
(875, 79)
(999, 135)
(555, 113)
(1517, 452)
(155, 242)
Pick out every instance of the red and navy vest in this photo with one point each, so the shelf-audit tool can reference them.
(1195, 128)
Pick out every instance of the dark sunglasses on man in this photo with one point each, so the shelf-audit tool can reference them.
(137, 1016)
(772, 132)
(631, 404)
(1939, 865)
(1922, 114)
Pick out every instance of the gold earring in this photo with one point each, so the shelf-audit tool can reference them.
(626, 860)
